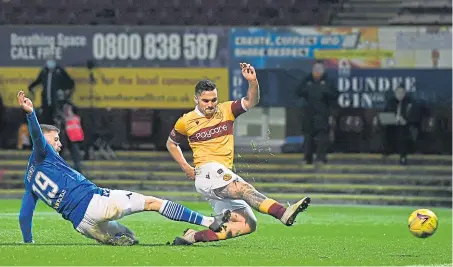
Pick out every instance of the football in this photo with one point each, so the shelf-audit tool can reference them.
(422, 223)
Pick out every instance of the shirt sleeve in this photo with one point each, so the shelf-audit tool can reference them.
(39, 142)
(26, 215)
(237, 107)
(178, 133)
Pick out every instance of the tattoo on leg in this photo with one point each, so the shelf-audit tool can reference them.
(244, 191)
(229, 234)
(253, 197)
(228, 191)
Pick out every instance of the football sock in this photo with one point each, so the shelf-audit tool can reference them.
(209, 235)
(272, 207)
(177, 212)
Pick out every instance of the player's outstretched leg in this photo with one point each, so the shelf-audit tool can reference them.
(177, 212)
(258, 201)
(242, 222)
(99, 221)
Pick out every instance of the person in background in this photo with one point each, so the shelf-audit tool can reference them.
(73, 134)
(2, 122)
(435, 55)
(320, 96)
(23, 137)
(398, 137)
(56, 83)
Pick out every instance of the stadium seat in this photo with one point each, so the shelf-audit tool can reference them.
(423, 12)
(170, 12)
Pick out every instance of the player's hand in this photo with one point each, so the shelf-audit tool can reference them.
(248, 71)
(24, 102)
(190, 172)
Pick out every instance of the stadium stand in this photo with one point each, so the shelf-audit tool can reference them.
(349, 179)
(423, 12)
(390, 12)
(175, 12)
(244, 12)
(359, 178)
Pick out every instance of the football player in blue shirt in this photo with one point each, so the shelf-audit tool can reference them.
(93, 211)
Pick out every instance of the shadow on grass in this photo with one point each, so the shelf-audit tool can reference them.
(12, 244)
(75, 244)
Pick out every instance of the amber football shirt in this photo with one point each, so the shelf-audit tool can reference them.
(211, 139)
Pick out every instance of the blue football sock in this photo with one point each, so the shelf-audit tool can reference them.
(177, 212)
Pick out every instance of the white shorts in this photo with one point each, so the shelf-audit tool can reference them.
(98, 222)
(213, 175)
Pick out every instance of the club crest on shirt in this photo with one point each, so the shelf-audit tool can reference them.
(219, 114)
(227, 177)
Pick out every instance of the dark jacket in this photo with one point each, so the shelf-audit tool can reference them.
(320, 96)
(408, 109)
(51, 82)
(2, 112)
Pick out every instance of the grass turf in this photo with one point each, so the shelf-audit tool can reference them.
(324, 235)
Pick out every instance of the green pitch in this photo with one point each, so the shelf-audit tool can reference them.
(324, 235)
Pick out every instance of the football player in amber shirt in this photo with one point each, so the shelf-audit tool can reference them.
(209, 130)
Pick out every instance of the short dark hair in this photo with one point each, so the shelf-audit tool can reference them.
(204, 85)
(45, 128)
